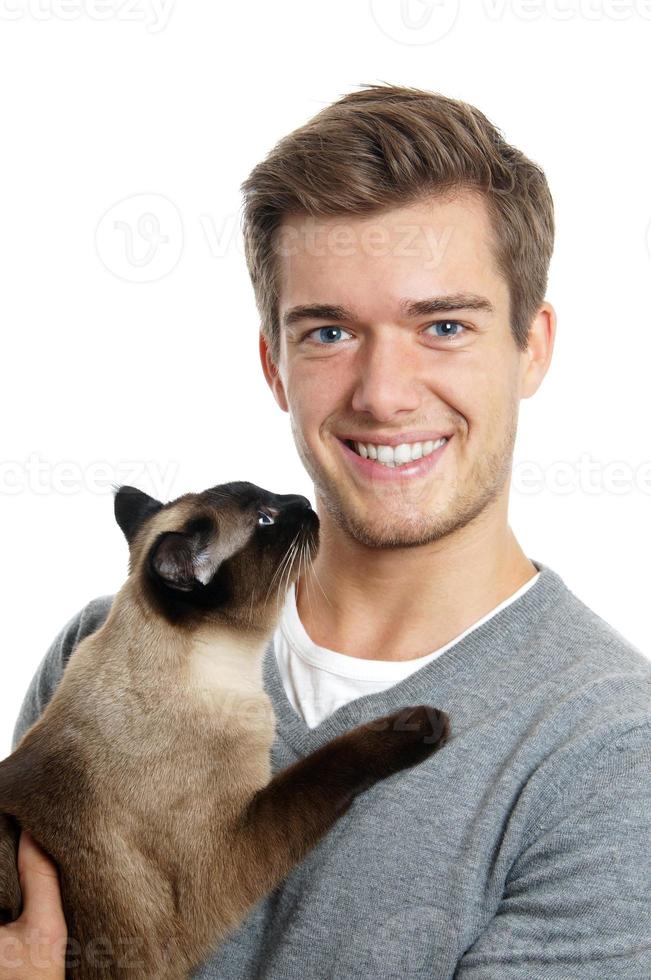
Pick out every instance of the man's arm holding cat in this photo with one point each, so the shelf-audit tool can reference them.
(34, 945)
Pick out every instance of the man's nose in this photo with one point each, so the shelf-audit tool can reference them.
(386, 383)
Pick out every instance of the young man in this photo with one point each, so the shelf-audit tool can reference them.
(398, 249)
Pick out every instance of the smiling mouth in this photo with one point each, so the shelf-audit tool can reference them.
(396, 456)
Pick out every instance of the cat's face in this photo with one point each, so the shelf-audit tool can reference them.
(229, 553)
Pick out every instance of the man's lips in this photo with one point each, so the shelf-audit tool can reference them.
(396, 439)
(370, 469)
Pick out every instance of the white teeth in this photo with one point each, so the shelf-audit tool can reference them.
(385, 454)
(398, 455)
(402, 453)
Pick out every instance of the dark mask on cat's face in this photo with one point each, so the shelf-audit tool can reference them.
(228, 554)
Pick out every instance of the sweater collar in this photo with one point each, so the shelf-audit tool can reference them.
(469, 664)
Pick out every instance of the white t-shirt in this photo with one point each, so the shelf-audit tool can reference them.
(317, 681)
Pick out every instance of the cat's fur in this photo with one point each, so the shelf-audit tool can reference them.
(147, 778)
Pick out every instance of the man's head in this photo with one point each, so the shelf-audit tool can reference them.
(390, 197)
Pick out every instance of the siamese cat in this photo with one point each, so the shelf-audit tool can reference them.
(147, 778)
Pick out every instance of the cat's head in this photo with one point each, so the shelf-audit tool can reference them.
(228, 554)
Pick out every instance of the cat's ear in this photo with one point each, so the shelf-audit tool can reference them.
(183, 559)
(132, 508)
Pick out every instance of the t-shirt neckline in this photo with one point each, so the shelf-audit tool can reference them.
(476, 652)
(355, 668)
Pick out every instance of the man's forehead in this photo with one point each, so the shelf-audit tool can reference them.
(455, 271)
(447, 246)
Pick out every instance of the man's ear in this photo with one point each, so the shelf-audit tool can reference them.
(537, 357)
(272, 374)
(132, 508)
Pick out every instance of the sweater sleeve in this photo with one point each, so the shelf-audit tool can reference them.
(577, 901)
(50, 670)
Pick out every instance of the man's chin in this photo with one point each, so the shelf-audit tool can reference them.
(386, 528)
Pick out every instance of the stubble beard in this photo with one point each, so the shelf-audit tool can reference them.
(432, 508)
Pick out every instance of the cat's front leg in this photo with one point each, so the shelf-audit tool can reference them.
(11, 899)
(287, 817)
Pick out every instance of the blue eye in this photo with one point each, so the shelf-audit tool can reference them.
(322, 330)
(265, 518)
(447, 323)
(327, 339)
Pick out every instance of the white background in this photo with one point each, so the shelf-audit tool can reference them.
(145, 361)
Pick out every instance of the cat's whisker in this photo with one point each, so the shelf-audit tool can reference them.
(301, 555)
(281, 565)
(305, 555)
(273, 578)
(288, 570)
(312, 571)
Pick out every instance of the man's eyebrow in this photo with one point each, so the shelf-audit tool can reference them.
(409, 308)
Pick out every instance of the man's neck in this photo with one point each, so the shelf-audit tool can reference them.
(402, 604)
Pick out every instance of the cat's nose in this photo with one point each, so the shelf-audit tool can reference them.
(299, 501)
(296, 501)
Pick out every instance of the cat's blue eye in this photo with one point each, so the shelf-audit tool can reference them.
(265, 518)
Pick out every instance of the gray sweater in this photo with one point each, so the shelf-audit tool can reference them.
(520, 851)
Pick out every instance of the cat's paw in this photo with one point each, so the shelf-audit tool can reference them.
(405, 738)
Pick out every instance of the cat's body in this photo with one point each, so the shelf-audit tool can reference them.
(147, 778)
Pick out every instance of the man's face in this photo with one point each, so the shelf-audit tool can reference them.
(375, 371)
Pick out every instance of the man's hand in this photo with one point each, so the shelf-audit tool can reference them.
(34, 946)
